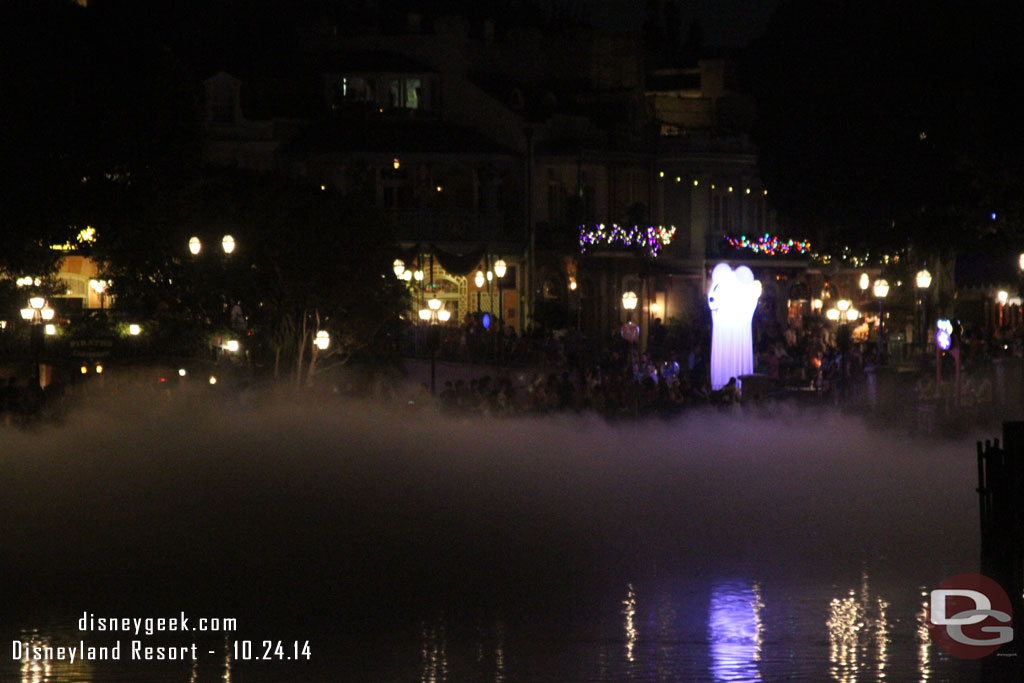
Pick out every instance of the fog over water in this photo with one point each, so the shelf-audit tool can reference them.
(343, 522)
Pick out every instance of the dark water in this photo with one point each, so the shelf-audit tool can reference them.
(401, 546)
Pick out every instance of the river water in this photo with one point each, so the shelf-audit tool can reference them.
(350, 542)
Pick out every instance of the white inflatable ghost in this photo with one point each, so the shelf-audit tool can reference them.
(732, 300)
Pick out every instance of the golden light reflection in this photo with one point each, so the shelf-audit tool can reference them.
(434, 654)
(34, 668)
(629, 612)
(924, 641)
(845, 621)
(499, 656)
(857, 624)
(227, 660)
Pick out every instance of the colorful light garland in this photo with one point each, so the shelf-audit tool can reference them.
(770, 245)
(652, 237)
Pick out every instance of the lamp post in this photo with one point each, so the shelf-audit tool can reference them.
(478, 280)
(1002, 296)
(630, 330)
(434, 314)
(36, 312)
(881, 290)
(844, 313)
(924, 281)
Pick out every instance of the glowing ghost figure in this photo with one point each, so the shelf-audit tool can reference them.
(732, 300)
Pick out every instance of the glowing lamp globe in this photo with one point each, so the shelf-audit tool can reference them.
(232, 345)
(843, 305)
(51, 329)
(479, 279)
(864, 281)
(924, 279)
(832, 314)
(1020, 261)
(322, 340)
(418, 275)
(407, 275)
(134, 329)
(852, 314)
(434, 304)
(444, 315)
(1002, 296)
(36, 302)
(881, 288)
(500, 268)
(194, 245)
(399, 267)
(228, 244)
(629, 300)
(424, 314)
(47, 313)
(27, 313)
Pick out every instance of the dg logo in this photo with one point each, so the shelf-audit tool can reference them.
(970, 616)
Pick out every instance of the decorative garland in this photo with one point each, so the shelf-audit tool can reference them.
(771, 245)
(653, 238)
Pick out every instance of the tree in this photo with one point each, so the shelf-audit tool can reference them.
(306, 259)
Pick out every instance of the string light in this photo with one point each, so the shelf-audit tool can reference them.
(771, 245)
(652, 237)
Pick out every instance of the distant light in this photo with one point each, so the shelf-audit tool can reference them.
(47, 313)
(407, 275)
(85, 370)
(163, 379)
(490, 276)
(399, 267)
(194, 245)
(864, 281)
(730, 188)
(424, 314)
(181, 372)
(51, 329)
(418, 275)
(487, 321)
(99, 369)
(228, 244)
(881, 288)
(747, 191)
(678, 179)
(696, 183)
(944, 334)
(629, 301)
(993, 215)
(213, 380)
(323, 187)
(134, 329)
(500, 268)
(395, 162)
(655, 308)
(232, 345)
(843, 304)
(832, 314)
(478, 279)
(816, 304)
(572, 284)
(434, 304)
(661, 174)
(440, 189)
(924, 279)
(322, 340)
(36, 302)
(1002, 296)
(444, 315)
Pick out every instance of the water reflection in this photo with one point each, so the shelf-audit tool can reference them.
(49, 670)
(924, 640)
(629, 614)
(433, 653)
(856, 624)
(736, 631)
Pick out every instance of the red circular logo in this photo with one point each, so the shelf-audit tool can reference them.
(969, 616)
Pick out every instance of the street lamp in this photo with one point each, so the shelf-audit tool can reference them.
(228, 244)
(195, 246)
(399, 267)
(1002, 296)
(322, 340)
(629, 300)
(924, 281)
(881, 290)
(434, 314)
(864, 282)
(37, 312)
